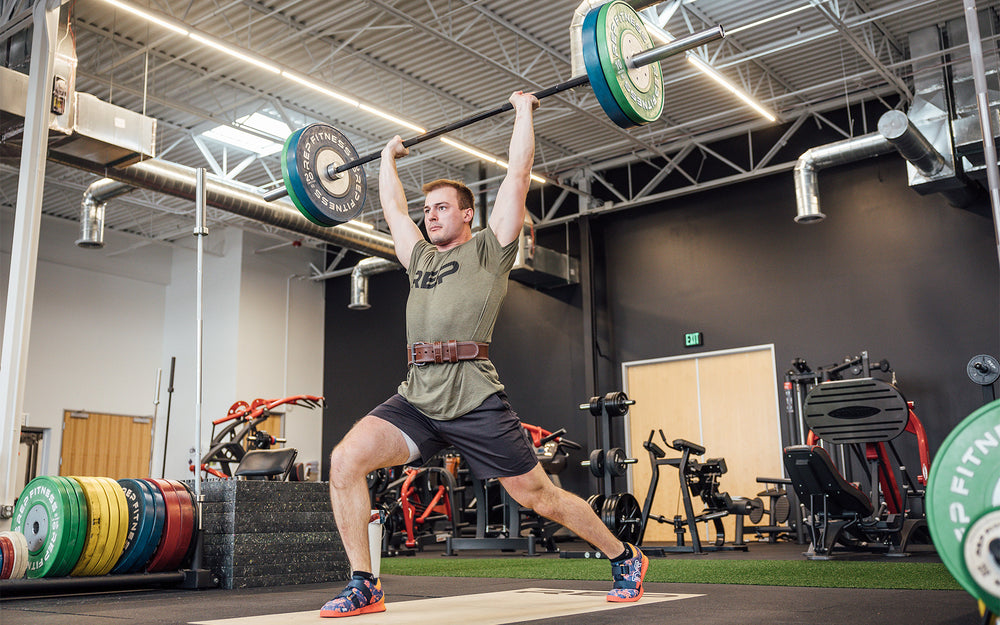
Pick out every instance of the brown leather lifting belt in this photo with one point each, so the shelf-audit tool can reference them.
(446, 351)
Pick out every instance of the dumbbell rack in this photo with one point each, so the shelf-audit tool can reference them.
(613, 404)
(604, 408)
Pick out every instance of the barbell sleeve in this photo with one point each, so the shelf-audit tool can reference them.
(681, 44)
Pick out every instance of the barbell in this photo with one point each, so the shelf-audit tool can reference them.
(322, 171)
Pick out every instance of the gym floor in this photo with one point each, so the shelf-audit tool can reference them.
(467, 601)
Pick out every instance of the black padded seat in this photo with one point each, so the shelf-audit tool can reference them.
(813, 473)
(267, 464)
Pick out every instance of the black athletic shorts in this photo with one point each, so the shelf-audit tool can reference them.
(489, 438)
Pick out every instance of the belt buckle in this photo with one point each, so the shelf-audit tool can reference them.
(413, 353)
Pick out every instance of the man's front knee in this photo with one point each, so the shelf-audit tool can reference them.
(344, 466)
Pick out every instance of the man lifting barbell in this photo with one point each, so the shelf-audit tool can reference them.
(452, 395)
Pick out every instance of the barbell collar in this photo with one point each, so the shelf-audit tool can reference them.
(677, 46)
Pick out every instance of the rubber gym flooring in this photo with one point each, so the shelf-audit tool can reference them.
(465, 601)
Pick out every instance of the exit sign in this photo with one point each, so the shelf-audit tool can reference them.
(693, 339)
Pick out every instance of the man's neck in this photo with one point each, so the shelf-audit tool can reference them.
(465, 237)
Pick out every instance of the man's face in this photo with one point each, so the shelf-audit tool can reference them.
(443, 218)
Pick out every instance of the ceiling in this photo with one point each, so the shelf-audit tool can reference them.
(432, 62)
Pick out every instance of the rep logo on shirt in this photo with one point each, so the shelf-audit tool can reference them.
(430, 279)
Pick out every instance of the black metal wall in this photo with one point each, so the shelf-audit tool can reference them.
(907, 277)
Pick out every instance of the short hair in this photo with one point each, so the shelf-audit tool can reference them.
(465, 197)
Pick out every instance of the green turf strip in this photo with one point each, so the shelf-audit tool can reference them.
(821, 574)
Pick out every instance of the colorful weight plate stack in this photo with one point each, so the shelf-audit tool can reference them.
(86, 526)
(13, 555)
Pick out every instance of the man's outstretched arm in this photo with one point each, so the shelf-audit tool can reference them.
(405, 232)
(508, 209)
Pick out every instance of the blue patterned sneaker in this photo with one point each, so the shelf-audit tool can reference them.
(360, 597)
(628, 575)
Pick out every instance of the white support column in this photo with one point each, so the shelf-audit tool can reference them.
(24, 249)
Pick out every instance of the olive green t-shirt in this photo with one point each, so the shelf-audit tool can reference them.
(455, 295)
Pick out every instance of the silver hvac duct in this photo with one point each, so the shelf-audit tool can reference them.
(359, 280)
(239, 199)
(837, 153)
(92, 206)
(896, 127)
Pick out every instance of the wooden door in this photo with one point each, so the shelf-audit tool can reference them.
(724, 401)
(105, 445)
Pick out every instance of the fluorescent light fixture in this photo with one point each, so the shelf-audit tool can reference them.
(486, 157)
(263, 147)
(768, 19)
(148, 16)
(242, 55)
(722, 80)
(392, 118)
(308, 82)
(251, 142)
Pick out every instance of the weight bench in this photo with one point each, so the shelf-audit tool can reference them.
(864, 415)
(267, 464)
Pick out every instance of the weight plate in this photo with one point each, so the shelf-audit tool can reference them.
(21, 554)
(599, 84)
(597, 463)
(964, 482)
(70, 517)
(596, 503)
(620, 35)
(614, 460)
(98, 513)
(184, 542)
(983, 369)
(289, 147)
(19, 546)
(171, 527)
(140, 523)
(117, 525)
(159, 512)
(623, 516)
(78, 508)
(981, 553)
(40, 516)
(779, 513)
(75, 518)
(6, 557)
(307, 154)
(756, 512)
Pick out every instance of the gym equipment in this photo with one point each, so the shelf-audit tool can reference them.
(515, 527)
(863, 416)
(227, 448)
(42, 515)
(614, 461)
(13, 555)
(622, 68)
(984, 371)
(778, 510)
(963, 503)
(702, 480)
